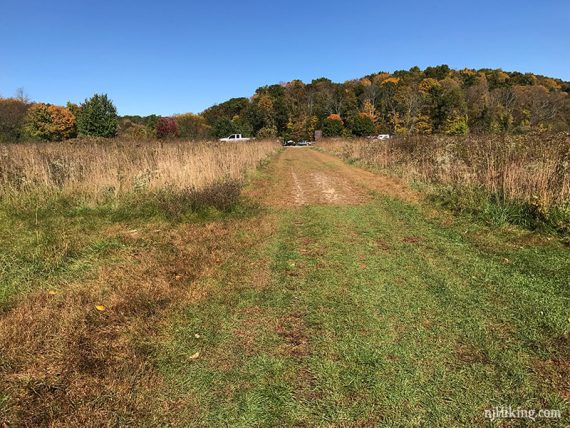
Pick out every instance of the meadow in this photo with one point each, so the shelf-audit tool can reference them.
(56, 197)
(207, 284)
(115, 168)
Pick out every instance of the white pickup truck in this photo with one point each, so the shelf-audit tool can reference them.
(236, 137)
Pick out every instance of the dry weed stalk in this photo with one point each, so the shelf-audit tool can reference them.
(529, 168)
(116, 167)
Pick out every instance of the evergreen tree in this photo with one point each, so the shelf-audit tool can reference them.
(98, 117)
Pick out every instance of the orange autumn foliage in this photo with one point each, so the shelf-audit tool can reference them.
(49, 122)
(334, 117)
(393, 80)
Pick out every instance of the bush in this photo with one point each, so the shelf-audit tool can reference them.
(223, 128)
(192, 126)
(222, 196)
(267, 132)
(98, 117)
(12, 117)
(333, 126)
(49, 122)
(456, 125)
(362, 125)
(129, 130)
(166, 127)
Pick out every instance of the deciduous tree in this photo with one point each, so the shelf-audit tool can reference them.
(49, 122)
(333, 126)
(12, 116)
(166, 127)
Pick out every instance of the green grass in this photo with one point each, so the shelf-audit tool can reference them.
(495, 210)
(383, 314)
(45, 250)
(377, 314)
(50, 238)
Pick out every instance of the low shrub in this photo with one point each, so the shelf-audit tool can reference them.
(222, 196)
(166, 127)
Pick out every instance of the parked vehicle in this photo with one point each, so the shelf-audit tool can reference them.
(236, 137)
(383, 137)
(302, 143)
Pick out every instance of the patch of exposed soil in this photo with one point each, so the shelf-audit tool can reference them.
(308, 177)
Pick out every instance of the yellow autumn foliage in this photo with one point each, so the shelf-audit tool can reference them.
(49, 122)
(393, 80)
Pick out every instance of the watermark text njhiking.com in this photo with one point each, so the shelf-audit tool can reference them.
(508, 412)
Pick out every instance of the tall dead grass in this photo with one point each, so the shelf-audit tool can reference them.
(82, 350)
(532, 170)
(519, 167)
(115, 168)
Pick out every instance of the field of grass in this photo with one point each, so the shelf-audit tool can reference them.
(517, 179)
(431, 332)
(320, 295)
(56, 200)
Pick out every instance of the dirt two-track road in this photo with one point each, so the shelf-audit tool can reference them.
(336, 298)
(303, 176)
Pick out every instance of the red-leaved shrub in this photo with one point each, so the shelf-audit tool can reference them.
(166, 127)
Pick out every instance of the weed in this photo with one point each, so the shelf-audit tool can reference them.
(522, 179)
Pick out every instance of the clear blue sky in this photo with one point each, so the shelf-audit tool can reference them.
(177, 56)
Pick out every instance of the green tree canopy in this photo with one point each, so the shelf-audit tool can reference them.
(98, 117)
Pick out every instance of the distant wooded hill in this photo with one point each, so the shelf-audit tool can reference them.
(435, 100)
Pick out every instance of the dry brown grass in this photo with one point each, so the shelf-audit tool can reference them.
(63, 361)
(526, 167)
(66, 363)
(113, 168)
(522, 179)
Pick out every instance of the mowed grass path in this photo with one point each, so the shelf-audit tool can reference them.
(380, 314)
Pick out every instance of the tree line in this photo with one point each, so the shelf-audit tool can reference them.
(437, 100)
(21, 120)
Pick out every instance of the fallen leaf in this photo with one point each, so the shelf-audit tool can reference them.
(197, 336)
(196, 355)
(52, 292)
(100, 308)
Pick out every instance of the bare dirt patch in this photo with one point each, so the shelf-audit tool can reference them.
(308, 177)
(293, 331)
(412, 239)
